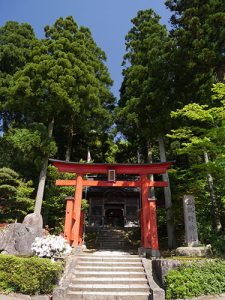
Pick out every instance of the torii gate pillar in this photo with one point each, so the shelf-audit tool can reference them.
(77, 210)
(70, 223)
(149, 231)
(74, 217)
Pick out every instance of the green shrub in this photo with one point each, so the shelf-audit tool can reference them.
(28, 275)
(198, 279)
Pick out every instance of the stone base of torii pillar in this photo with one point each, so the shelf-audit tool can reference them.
(145, 252)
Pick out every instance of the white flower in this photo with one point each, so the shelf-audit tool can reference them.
(51, 245)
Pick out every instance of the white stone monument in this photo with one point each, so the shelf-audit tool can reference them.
(191, 231)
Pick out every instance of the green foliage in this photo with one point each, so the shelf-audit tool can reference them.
(28, 275)
(198, 55)
(84, 205)
(61, 79)
(64, 78)
(15, 201)
(54, 203)
(201, 132)
(16, 42)
(32, 143)
(195, 280)
(67, 81)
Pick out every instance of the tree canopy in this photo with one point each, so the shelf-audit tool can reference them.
(146, 82)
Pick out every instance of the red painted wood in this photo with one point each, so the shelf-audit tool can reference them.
(86, 168)
(66, 182)
(142, 227)
(68, 219)
(74, 215)
(112, 184)
(82, 215)
(145, 211)
(153, 229)
(77, 210)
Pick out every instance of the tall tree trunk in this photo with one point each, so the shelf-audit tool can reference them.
(215, 219)
(149, 161)
(43, 174)
(168, 198)
(69, 144)
(220, 74)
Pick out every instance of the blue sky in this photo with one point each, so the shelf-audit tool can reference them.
(109, 21)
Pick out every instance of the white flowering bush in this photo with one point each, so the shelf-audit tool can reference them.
(51, 246)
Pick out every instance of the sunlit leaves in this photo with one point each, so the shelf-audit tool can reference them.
(15, 196)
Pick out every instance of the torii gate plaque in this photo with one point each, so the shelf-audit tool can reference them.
(149, 235)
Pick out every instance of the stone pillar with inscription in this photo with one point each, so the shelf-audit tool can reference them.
(191, 231)
(192, 248)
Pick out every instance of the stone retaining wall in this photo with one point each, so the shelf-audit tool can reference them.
(24, 297)
(161, 267)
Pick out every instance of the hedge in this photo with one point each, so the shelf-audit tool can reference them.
(195, 280)
(30, 276)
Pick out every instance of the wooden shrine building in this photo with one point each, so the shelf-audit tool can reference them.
(116, 205)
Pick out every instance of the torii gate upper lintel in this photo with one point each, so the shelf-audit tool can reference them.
(72, 230)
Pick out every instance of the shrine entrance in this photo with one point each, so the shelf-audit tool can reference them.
(136, 176)
(114, 216)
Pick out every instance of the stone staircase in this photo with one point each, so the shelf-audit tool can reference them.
(113, 239)
(108, 271)
(109, 277)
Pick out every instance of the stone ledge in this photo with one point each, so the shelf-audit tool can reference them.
(60, 291)
(157, 293)
(161, 266)
(207, 297)
(194, 251)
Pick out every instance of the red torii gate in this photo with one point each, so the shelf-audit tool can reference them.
(73, 220)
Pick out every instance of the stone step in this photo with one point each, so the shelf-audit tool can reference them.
(115, 240)
(121, 232)
(122, 258)
(116, 244)
(98, 280)
(104, 239)
(112, 237)
(109, 274)
(112, 241)
(110, 268)
(109, 287)
(119, 245)
(87, 295)
(109, 263)
(111, 231)
(114, 248)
